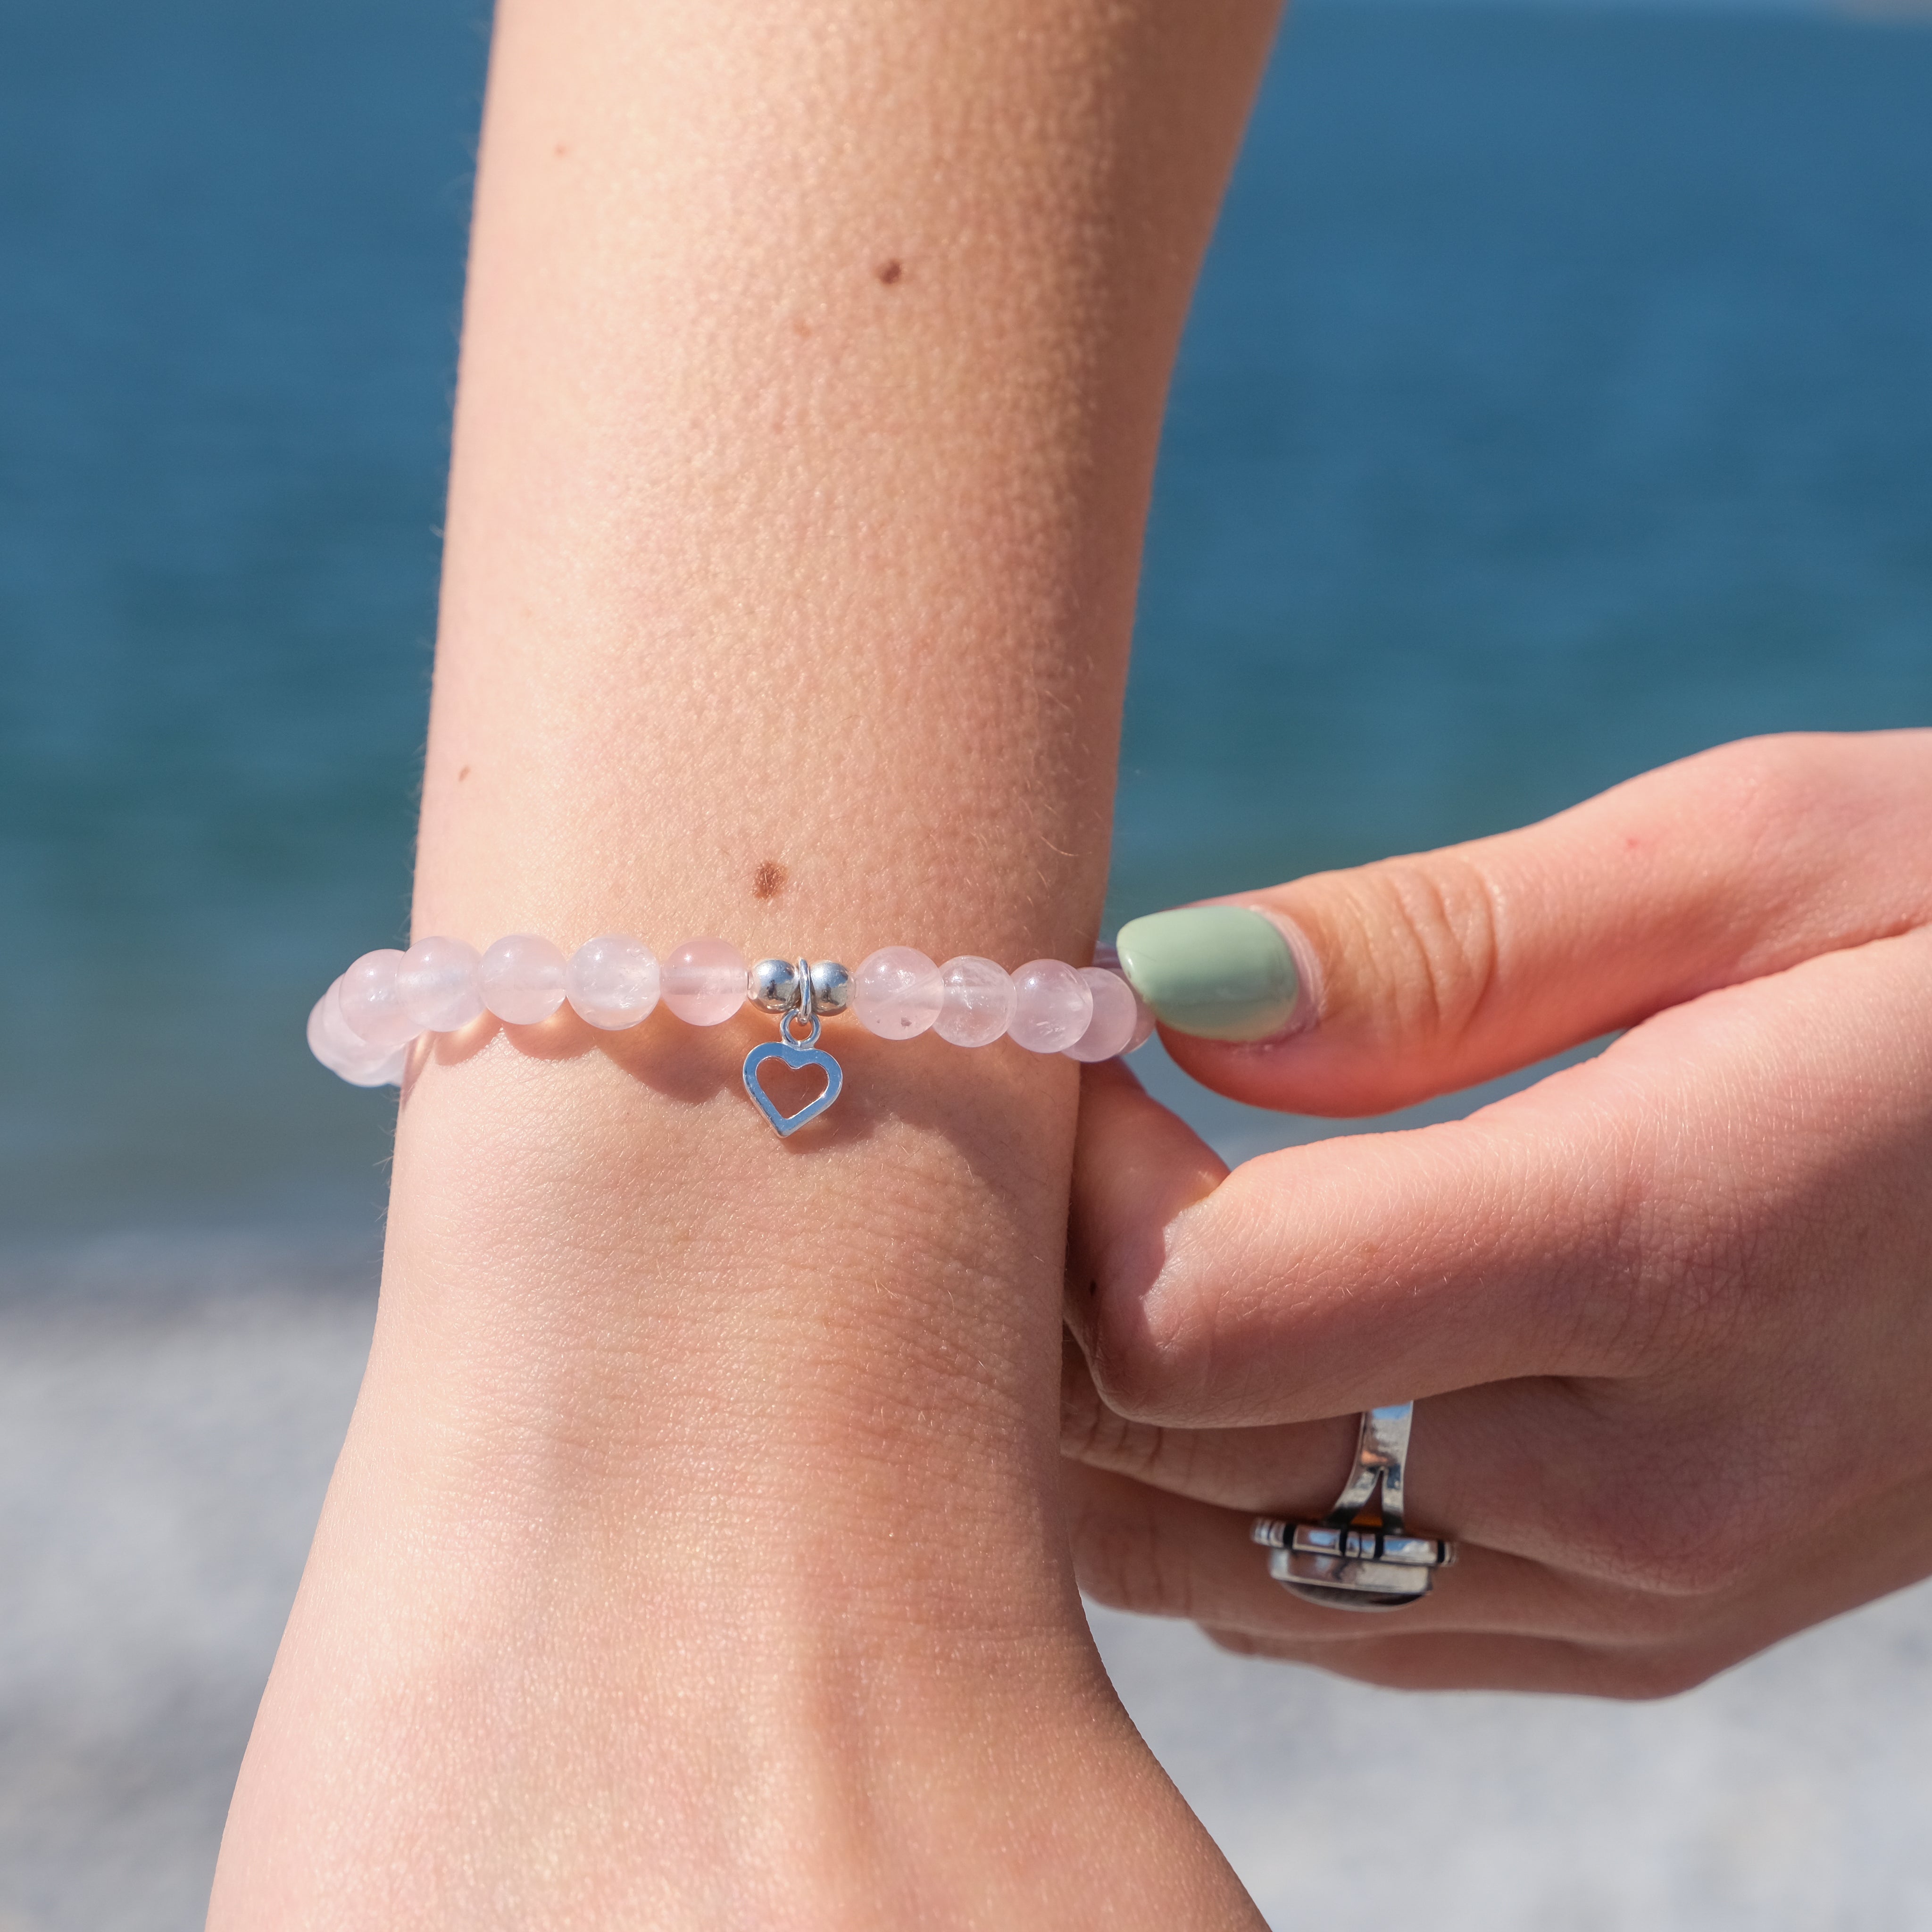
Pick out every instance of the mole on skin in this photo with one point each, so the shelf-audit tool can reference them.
(768, 881)
(462, 774)
(889, 272)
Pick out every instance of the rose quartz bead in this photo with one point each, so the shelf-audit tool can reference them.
(704, 981)
(521, 979)
(347, 1056)
(1115, 1016)
(897, 993)
(1052, 1006)
(612, 982)
(387, 1072)
(329, 1039)
(437, 981)
(1145, 1021)
(371, 1004)
(390, 1073)
(977, 1001)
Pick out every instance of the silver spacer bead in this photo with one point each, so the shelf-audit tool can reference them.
(772, 985)
(831, 986)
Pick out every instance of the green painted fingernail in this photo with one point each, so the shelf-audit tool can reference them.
(1218, 972)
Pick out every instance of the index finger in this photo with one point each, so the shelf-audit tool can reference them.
(1621, 1213)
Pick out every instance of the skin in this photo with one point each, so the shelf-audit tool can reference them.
(696, 1556)
(1669, 1312)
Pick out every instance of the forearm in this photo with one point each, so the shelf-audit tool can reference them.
(811, 382)
(812, 367)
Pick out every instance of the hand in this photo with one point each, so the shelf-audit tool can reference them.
(1669, 1310)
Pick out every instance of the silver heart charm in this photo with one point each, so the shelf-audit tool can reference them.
(794, 1056)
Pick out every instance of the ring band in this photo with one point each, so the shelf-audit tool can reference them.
(1359, 1557)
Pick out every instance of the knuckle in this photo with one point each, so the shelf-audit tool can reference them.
(1683, 1268)
(1080, 1404)
(1429, 940)
(1774, 790)
(1816, 799)
(1121, 1561)
(1091, 1431)
(1671, 1539)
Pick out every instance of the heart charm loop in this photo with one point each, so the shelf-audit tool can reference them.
(795, 1057)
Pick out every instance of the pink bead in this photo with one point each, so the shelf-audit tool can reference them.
(391, 1073)
(1052, 1006)
(437, 982)
(329, 1039)
(612, 982)
(345, 1055)
(371, 1004)
(897, 993)
(1116, 1014)
(521, 979)
(1145, 1021)
(977, 1001)
(703, 981)
(385, 1071)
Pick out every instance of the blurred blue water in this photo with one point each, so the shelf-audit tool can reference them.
(1559, 401)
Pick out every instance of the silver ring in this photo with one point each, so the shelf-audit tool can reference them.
(1359, 1557)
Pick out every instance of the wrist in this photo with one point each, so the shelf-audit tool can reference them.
(744, 1454)
(605, 1276)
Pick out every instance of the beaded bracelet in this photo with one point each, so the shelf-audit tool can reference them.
(363, 1026)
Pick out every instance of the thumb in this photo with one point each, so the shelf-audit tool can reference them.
(1355, 992)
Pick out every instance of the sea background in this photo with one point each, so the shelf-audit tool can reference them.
(1557, 402)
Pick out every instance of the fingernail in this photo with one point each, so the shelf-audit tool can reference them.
(1218, 972)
